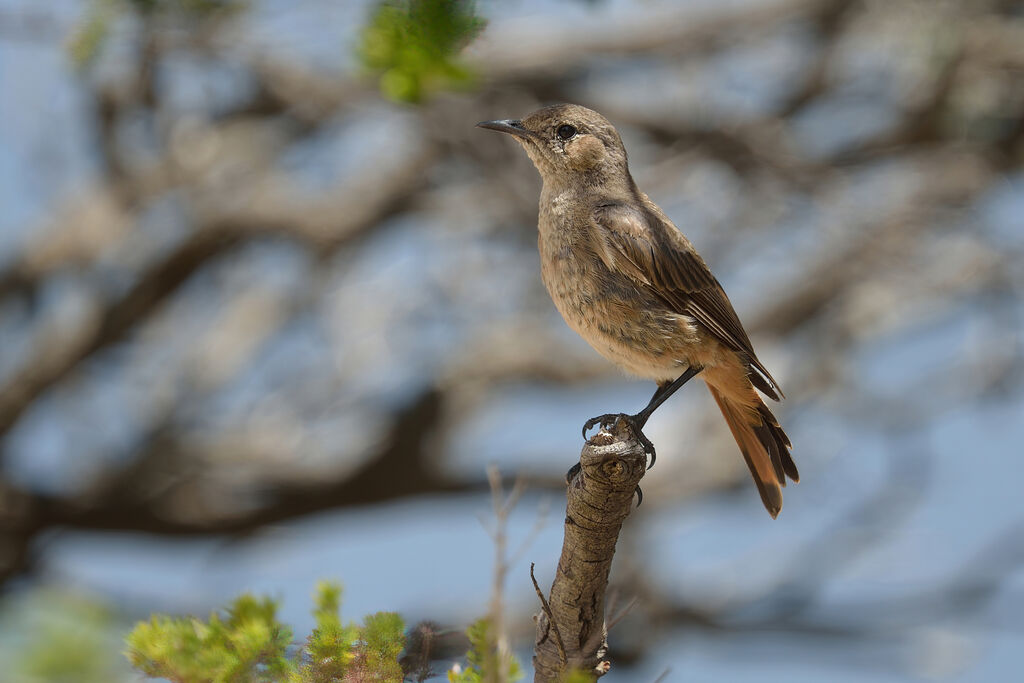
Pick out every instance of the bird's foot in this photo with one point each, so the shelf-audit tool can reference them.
(609, 419)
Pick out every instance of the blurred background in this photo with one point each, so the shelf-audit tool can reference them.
(270, 304)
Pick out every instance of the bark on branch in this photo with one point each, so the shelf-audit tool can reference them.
(600, 497)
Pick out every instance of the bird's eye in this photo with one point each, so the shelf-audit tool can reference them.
(565, 131)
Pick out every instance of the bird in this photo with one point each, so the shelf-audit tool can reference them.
(629, 282)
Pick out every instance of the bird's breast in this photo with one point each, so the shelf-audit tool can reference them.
(625, 323)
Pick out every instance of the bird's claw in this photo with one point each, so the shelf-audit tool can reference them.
(609, 419)
(606, 420)
(648, 449)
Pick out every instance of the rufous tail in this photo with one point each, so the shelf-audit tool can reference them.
(764, 445)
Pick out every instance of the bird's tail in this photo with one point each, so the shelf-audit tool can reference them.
(764, 445)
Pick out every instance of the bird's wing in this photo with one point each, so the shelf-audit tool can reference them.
(667, 265)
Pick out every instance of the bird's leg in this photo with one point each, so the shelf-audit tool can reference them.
(665, 389)
(663, 392)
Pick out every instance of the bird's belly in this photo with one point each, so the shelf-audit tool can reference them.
(625, 324)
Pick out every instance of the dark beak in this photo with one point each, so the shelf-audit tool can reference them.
(510, 126)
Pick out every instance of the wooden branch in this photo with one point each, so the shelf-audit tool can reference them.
(571, 631)
(333, 221)
(553, 53)
(53, 362)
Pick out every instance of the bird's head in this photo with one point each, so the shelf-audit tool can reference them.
(568, 142)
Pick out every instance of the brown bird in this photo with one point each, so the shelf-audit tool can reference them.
(632, 285)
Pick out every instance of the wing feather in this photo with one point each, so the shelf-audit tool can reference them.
(665, 262)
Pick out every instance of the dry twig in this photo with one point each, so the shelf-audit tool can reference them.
(600, 497)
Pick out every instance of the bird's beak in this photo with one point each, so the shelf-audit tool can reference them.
(510, 126)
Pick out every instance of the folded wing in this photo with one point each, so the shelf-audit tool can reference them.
(664, 261)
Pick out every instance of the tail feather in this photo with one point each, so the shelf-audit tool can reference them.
(782, 440)
(762, 441)
(767, 439)
(763, 384)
